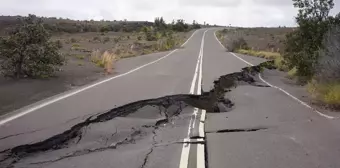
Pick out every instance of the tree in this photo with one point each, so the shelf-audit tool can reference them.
(195, 25)
(160, 24)
(329, 61)
(302, 45)
(180, 26)
(28, 51)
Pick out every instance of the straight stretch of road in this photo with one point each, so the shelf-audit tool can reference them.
(267, 127)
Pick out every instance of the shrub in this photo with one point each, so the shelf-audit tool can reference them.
(59, 43)
(180, 26)
(28, 51)
(326, 93)
(280, 64)
(150, 36)
(95, 57)
(73, 40)
(328, 68)
(303, 45)
(106, 39)
(167, 43)
(325, 86)
(96, 39)
(292, 73)
(75, 46)
(105, 60)
(116, 40)
(233, 45)
(80, 57)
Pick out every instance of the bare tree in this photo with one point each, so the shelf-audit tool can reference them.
(328, 69)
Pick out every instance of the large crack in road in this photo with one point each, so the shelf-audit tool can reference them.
(166, 108)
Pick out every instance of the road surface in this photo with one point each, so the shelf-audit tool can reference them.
(125, 121)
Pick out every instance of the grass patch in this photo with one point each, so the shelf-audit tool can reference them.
(328, 93)
(80, 57)
(104, 60)
(278, 59)
(291, 74)
(280, 64)
(75, 46)
(261, 54)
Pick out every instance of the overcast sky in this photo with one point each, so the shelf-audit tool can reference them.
(248, 13)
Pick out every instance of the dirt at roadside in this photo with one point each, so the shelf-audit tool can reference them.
(78, 71)
(22, 92)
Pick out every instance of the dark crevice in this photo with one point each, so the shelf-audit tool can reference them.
(192, 142)
(196, 137)
(212, 101)
(237, 130)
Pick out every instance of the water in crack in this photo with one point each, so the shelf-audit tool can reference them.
(162, 109)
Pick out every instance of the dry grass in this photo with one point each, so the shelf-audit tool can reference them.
(260, 39)
(291, 74)
(108, 60)
(261, 54)
(328, 93)
(278, 59)
(105, 60)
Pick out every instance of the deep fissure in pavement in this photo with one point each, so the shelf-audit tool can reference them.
(238, 130)
(212, 101)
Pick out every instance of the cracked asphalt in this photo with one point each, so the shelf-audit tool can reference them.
(147, 118)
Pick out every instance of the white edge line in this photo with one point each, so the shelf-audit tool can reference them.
(282, 90)
(32, 109)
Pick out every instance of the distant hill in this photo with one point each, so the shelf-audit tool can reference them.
(59, 25)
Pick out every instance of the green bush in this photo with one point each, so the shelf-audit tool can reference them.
(28, 51)
(303, 45)
(180, 26)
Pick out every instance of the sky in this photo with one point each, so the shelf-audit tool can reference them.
(246, 13)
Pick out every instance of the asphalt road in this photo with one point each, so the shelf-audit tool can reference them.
(126, 122)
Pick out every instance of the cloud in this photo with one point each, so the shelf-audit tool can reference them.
(211, 3)
(278, 3)
(223, 12)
